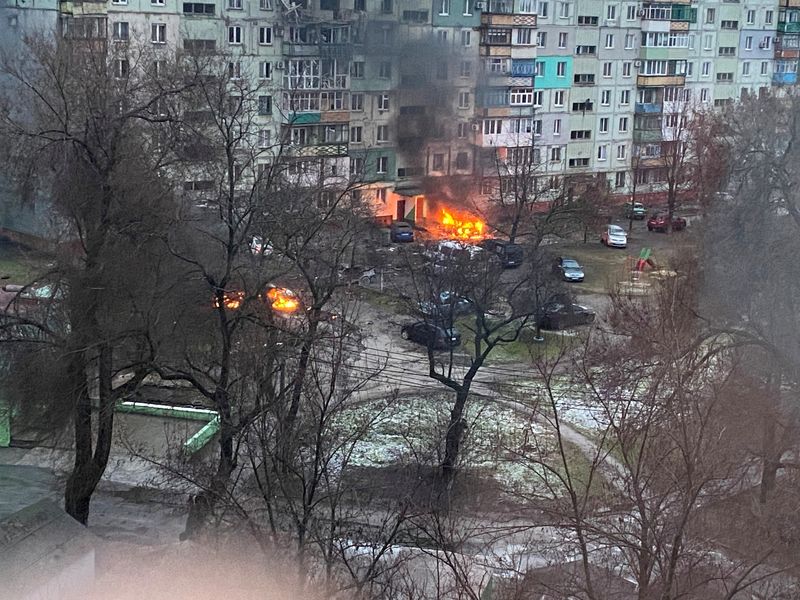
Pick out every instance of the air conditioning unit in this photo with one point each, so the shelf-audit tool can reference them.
(762, 45)
(476, 127)
(640, 12)
(637, 64)
(280, 65)
(480, 5)
(776, 40)
(278, 31)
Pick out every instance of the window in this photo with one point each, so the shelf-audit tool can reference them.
(766, 42)
(264, 138)
(609, 40)
(265, 70)
(526, 6)
(619, 179)
(357, 102)
(611, 12)
(385, 70)
(265, 4)
(121, 68)
(623, 125)
(578, 162)
(630, 12)
(727, 51)
(768, 17)
(748, 42)
(382, 164)
(197, 8)
(382, 133)
(386, 6)
(441, 70)
(383, 102)
(467, 8)
(120, 32)
(463, 130)
(466, 38)
(764, 67)
(630, 41)
(491, 126)
(543, 9)
(561, 69)
(622, 151)
(607, 69)
(523, 37)
(605, 97)
(462, 161)
(438, 162)
(158, 33)
(563, 10)
(466, 68)
(265, 36)
(626, 69)
(562, 39)
(705, 70)
(555, 153)
(602, 152)
(234, 34)
(441, 37)
(356, 134)
(704, 95)
(357, 69)
(119, 1)
(556, 127)
(751, 17)
(541, 38)
(558, 98)
(356, 165)
(710, 15)
(538, 98)
(603, 125)
(580, 134)
(708, 41)
(583, 49)
(724, 77)
(625, 97)
(265, 105)
(444, 7)
(233, 4)
(157, 2)
(463, 100)
(521, 96)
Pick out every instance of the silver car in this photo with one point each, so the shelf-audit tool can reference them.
(614, 236)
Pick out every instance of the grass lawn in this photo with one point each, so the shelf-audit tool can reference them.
(603, 266)
(19, 264)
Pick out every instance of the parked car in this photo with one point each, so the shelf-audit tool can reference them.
(615, 236)
(400, 231)
(561, 315)
(568, 269)
(634, 210)
(431, 335)
(444, 306)
(510, 255)
(658, 222)
(449, 253)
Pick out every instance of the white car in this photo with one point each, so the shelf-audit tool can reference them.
(614, 236)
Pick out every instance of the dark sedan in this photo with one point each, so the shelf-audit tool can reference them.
(557, 315)
(659, 221)
(445, 305)
(400, 231)
(431, 335)
(568, 269)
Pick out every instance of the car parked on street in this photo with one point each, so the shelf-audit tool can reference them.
(445, 305)
(659, 220)
(634, 210)
(562, 315)
(450, 254)
(431, 335)
(568, 269)
(510, 255)
(614, 236)
(400, 231)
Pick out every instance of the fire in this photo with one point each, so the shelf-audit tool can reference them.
(462, 229)
(231, 300)
(282, 300)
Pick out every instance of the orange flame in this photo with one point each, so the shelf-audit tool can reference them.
(231, 300)
(282, 300)
(462, 229)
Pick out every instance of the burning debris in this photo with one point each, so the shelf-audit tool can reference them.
(281, 300)
(462, 228)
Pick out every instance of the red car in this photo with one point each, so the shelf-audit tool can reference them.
(658, 222)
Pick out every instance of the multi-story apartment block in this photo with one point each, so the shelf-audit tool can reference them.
(421, 100)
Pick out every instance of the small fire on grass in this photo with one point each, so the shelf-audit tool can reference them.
(462, 228)
(282, 300)
(231, 300)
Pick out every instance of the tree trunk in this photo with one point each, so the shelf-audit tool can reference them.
(770, 460)
(455, 433)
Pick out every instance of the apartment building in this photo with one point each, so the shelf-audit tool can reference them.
(423, 99)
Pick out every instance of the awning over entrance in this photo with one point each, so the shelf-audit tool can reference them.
(410, 191)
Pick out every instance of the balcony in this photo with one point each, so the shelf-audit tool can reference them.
(647, 136)
(320, 150)
(784, 27)
(784, 78)
(648, 108)
(660, 80)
